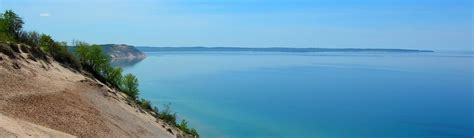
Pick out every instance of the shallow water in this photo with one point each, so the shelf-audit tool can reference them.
(258, 94)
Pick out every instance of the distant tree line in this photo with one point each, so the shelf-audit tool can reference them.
(86, 57)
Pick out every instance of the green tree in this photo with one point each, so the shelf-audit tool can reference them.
(99, 60)
(113, 76)
(46, 43)
(12, 24)
(82, 50)
(93, 57)
(130, 86)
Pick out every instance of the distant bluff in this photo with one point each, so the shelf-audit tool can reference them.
(122, 51)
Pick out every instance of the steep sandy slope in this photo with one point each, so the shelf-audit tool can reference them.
(39, 95)
(10, 127)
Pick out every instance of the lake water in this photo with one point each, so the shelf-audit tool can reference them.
(258, 94)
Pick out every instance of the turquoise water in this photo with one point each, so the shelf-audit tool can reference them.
(252, 94)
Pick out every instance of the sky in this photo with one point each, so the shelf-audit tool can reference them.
(412, 24)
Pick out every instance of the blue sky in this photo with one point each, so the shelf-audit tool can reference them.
(416, 24)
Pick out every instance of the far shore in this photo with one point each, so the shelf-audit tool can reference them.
(273, 49)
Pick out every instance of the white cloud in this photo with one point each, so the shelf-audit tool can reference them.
(44, 14)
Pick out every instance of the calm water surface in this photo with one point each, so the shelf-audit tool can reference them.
(248, 94)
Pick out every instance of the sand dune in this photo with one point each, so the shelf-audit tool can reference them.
(38, 98)
(10, 127)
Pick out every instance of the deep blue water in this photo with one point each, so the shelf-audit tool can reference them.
(252, 94)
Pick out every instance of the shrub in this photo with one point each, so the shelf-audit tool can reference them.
(194, 132)
(167, 116)
(46, 43)
(113, 76)
(58, 50)
(145, 104)
(92, 56)
(81, 51)
(184, 127)
(130, 86)
(99, 60)
(29, 38)
(155, 109)
(61, 54)
(94, 60)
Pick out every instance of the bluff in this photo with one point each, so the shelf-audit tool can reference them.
(41, 97)
(122, 51)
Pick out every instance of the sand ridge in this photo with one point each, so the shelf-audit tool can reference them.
(65, 102)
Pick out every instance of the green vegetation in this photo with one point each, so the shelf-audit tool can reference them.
(167, 115)
(184, 127)
(92, 57)
(11, 25)
(113, 76)
(145, 104)
(11, 31)
(59, 51)
(130, 86)
(87, 58)
(29, 38)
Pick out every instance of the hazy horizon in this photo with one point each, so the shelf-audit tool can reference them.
(388, 24)
(271, 47)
